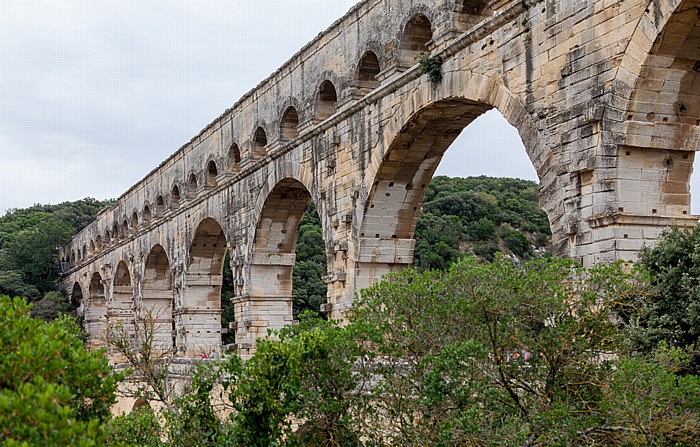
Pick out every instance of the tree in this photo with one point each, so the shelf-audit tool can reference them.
(507, 354)
(53, 392)
(671, 312)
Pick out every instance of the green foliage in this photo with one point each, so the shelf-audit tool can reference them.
(307, 376)
(53, 392)
(52, 305)
(310, 267)
(481, 216)
(671, 312)
(29, 240)
(507, 354)
(432, 66)
(139, 428)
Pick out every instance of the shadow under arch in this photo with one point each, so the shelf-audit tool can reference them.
(157, 298)
(203, 280)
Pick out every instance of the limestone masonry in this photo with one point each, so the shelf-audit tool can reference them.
(605, 95)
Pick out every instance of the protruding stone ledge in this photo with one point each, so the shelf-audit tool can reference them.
(604, 220)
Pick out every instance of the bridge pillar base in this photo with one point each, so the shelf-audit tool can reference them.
(256, 315)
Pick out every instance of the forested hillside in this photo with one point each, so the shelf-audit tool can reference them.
(29, 239)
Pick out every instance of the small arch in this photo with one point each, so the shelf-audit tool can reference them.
(76, 297)
(85, 252)
(290, 123)
(416, 36)
(96, 311)
(72, 259)
(234, 157)
(146, 214)
(212, 172)
(98, 243)
(115, 232)
(259, 143)
(125, 229)
(134, 221)
(367, 71)
(92, 248)
(107, 239)
(141, 404)
(160, 206)
(175, 197)
(192, 186)
(326, 100)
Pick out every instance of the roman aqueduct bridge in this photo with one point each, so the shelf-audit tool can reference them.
(605, 95)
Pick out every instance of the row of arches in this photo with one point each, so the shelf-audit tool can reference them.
(417, 34)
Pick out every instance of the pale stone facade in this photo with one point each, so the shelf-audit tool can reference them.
(605, 96)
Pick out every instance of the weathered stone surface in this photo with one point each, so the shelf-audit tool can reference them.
(605, 95)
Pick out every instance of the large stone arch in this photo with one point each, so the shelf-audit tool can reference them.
(120, 306)
(201, 311)
(77, 298)
(268, 300)
(96, 312)
(157, 301)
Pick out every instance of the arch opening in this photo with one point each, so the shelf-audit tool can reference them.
(275, 248)
(125, 229)
(326, 100)
(76, 298)
(134, 221)
(290, 123)
(120, 307)
(416, 36)
(98, 243)
(175, 197)
(192, 186)
(203, 284)
(96, 311)
(93, 247)
(160, 207)
(234, 158)
(212, 173)
(157, 304)
(259, 143)
(115, 233)
(367, 72)
(146, 215)
(478, 215)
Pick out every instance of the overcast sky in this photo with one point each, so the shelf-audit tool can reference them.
(95, 94)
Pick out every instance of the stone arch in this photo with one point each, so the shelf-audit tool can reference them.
(141, 404)
(160, 206)
(416, 36)
(157, 297)
(93, 248)
(72, 259)
(234, 158)
(259, 143)
(107, 239)
(192, 186)
(96, 311)
(76, 297)
(134, 221)
(115, 232)
(326, 99)
(273, 254)
(662, 119)
(289, 125)
(367, 70)
(203, 282)
(98, 244)
(120, 306)
(175, 197)
(212, 173)
(125, 229)
(399, 176)
(470, 12)
(146, 214)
